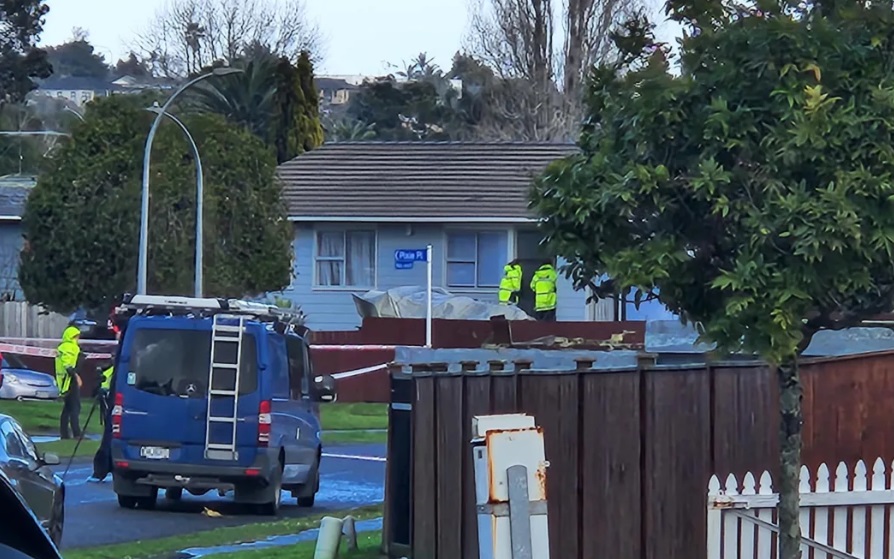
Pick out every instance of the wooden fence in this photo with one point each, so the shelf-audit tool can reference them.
(844, 513)
(631, 451)
(21, 320)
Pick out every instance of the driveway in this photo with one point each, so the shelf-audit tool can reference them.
(352, 476)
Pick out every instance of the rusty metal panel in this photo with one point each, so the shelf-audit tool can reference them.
(501, 449)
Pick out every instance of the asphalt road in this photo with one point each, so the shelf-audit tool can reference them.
(352, 475)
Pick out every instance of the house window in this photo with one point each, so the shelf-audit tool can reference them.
(476, 259)
(346, 258)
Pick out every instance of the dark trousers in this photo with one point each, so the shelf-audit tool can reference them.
(71, 414)
(549, 315)
(102, 460)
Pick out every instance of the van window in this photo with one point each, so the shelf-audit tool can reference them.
(279, 366)
(297, 368)
(172, 362)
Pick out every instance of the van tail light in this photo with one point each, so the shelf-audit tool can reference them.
(264, 421)
(117, 413)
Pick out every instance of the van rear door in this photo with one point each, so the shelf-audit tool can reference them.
(166, 385)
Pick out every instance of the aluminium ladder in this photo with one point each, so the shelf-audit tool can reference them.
(225, 330)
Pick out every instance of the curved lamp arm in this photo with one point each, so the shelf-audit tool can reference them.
(200, 196)
(144, 206)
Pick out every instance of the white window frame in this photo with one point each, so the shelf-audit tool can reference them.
(510, 248)
(317, 258)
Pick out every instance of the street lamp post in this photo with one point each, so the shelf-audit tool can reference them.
(144, 207)
(200, 195)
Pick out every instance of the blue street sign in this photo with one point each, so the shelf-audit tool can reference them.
(403, 265)
(410, 255)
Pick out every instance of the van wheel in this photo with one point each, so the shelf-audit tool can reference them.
(144, 503)
(307, 501)
(272, 508)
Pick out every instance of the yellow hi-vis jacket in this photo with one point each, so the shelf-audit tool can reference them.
(67, 359)
(543, 284)
(107, 378)
(510, 285)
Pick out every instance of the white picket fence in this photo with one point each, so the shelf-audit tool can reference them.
(843, 516)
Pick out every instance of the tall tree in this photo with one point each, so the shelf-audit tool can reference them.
(752, 193)
(410, 110)
(187, 35)
(20, 59)
(134, 66)
(77, 57)
(520, 41)
(310, 129)
(82, 253)
(275, 99)
(244, 98)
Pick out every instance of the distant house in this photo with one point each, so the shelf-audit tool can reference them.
(82, 90)
(355, 203)
(77, 90)
(334, 91)
(14, 191)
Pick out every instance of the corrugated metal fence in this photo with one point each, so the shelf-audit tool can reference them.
(630, 450)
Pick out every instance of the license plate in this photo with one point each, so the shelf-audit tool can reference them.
(41, 394)
(155, 452)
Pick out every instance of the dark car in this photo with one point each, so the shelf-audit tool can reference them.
(29, 473)
(21, 534)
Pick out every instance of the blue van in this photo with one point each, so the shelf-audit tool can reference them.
(215, 395)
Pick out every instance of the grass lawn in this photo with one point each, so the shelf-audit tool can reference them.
(40, 418)
(368, 547)
(166, 547)
(354, 416)
(351, 423)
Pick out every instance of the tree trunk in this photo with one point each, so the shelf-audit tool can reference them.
(790, 394)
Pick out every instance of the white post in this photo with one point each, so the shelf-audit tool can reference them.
(510, 487)
(428, 311)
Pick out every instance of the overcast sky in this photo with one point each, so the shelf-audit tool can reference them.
(361, 36)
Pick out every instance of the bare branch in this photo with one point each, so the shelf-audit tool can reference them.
(187, 35)
(543, 57)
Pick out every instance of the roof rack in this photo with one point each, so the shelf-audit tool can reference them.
(204, 307)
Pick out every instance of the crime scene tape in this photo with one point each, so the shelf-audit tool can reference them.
(19, 349)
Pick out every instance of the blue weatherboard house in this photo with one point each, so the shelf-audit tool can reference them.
(363, 211)
(14, 190)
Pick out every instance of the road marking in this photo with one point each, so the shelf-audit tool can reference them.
(355, 457)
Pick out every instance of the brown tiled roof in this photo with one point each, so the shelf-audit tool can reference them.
(405, 180)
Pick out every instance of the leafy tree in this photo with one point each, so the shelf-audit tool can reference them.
(77, 57)
(344, 130)
(402, 111)
(82, 219)
(133, 66)
(245, 98)
(19, 154)
(752, 193)
(310, 129)
(273, 98)
(20, 59)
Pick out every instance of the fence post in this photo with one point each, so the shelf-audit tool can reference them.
(510, 487)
